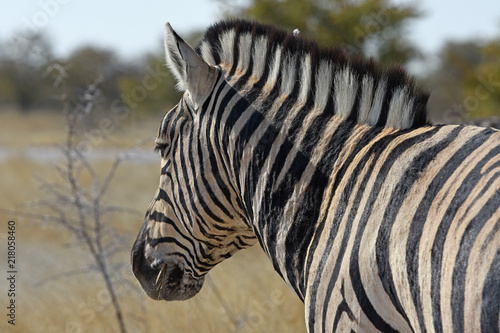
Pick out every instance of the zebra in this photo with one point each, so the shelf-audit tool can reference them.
(376, 219)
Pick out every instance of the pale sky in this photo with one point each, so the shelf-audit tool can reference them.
(134, 27)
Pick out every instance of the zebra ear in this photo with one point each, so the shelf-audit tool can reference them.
(190, 70)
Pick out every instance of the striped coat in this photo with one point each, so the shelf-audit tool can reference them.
(376, 219)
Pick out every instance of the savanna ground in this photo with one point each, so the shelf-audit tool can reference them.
(54, 293)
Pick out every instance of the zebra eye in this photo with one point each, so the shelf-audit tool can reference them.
(161, 148)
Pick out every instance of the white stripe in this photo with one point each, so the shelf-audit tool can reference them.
(206, 53)
(366, 99)
(323, 84)
(305, 78)
(408, 114)
(346, 86)
(274, 69)
(226, 47)
(259, 57)
(244, 47)
(378, 99)
(398, 100)
(288, 76)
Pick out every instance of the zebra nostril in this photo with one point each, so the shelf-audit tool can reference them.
(175, 275)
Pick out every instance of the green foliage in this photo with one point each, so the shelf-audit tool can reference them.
(150, 89)
(372, 27)
(482, 83)
(31, 77)
(22, 62)
(466, 84)
(91, 65)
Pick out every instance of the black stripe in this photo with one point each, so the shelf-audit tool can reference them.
(398, 197)
(200, 197)
(178, 182)
(302, 230)
(205, 233)
(162, 195)
(341, 309)
(339, 139)
(437, 249)
(159, 217)
(375, 151)
(209, 106)
(354, 271)
(416, 228)
(339, 213)
(253, 122)
(490, 307)
(189, 259)
(466, 243)
(280, 159)
(208, 187)
(272, 211)
(395, 78)
(248, 71)
(185, 143)
(219, 149)
(163, 170)
(337, 143)
(236, 53)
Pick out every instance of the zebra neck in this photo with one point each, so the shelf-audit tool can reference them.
(283, 163)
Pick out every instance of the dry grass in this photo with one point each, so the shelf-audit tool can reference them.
(253, 298)
(19, 130)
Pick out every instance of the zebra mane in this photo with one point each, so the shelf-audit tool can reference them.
(354, 88)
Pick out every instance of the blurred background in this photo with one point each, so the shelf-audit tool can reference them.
(103, 62)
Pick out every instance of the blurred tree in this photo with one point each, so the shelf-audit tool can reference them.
(481, 87)
(31, 77)
(455, 60)
(373, 27)
(150, 87)
(22, 63)
(90, 64)
(466, 83)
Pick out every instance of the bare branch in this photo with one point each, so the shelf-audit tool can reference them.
(78, 208)
(109, 177)
(65, 275)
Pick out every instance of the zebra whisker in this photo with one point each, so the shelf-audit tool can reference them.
(161, 276)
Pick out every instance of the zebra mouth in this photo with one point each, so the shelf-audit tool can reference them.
(165, 280)
(169, 282)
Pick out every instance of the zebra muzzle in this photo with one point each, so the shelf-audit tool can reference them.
(170, 283)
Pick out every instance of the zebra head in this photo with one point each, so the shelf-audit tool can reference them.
(195, 219)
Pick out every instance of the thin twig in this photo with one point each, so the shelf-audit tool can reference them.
(223, 302)
(109, 177)
(64, 275)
